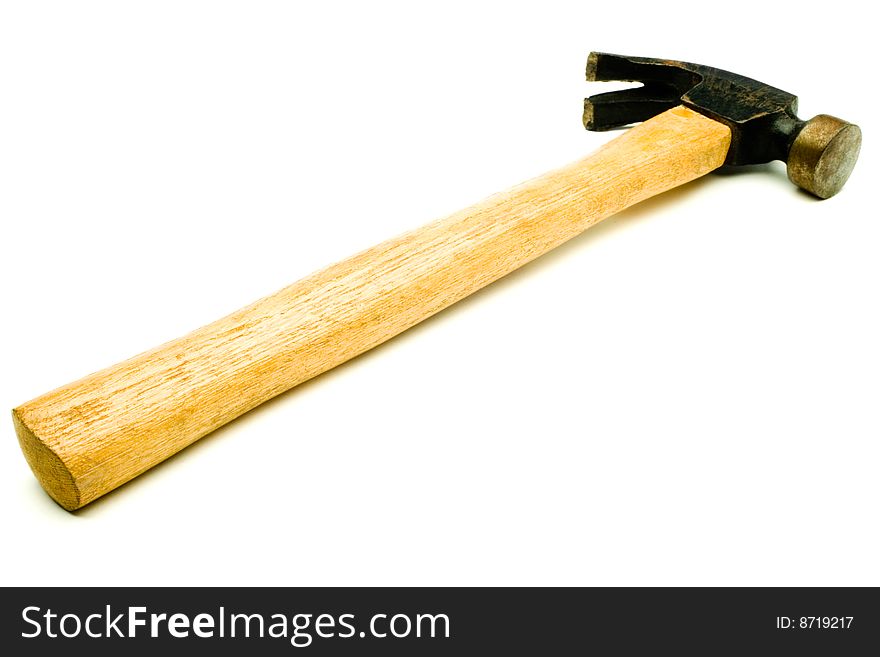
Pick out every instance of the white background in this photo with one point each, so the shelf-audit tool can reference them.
(687, 394)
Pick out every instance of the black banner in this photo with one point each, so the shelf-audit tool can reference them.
(277, 621)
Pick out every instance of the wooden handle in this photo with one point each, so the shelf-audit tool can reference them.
(88, 437)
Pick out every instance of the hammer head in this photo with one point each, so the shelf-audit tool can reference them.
(819, 153)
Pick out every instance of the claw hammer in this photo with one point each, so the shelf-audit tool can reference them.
(88, 437)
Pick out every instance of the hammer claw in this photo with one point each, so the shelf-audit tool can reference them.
(615, 109)
(605, 67)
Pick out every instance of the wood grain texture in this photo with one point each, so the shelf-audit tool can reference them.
(88, 437)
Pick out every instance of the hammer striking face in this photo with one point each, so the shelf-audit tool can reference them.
(88, 437)
(820, 153)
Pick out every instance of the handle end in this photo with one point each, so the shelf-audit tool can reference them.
(48, 467)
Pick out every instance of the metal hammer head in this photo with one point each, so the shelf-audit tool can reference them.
(819, 153)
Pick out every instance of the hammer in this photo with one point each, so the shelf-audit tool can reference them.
(88, 437)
